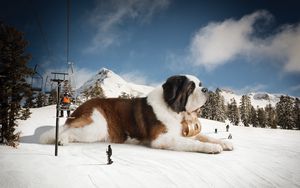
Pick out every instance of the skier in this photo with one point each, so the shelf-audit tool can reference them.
(216, 130)
(227, 128)
(109, 153)
(65, 104)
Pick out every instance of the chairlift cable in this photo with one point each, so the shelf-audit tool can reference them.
(70, 64)
(44, 39)
(68, 29)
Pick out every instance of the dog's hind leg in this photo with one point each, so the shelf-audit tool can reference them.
(91, 129)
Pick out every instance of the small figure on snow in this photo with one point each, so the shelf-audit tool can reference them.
(109, 153)
(230, 136)
(216, 130)
(227, 128)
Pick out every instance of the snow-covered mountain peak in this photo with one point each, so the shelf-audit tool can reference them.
(114, 85)
(226, 91)
(105, 73)
(259, 99)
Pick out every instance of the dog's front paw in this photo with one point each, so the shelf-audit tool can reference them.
(212, 148)
(226, 145)
(62, 141)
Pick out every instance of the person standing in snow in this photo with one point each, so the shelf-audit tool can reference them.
(227, 128)
(109, 153)
(65, 104)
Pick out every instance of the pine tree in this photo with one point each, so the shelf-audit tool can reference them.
(124, 95)
(253, 117)
(13, 86)
(40, 100)
(220, 107)
(297, 113)
(270, 116)
(213, 105)
(67, 88)
(245, 109)
(52, 99)
(261, 117)
(86, 93)
(94, 91)
(29, 100)
(25, 113)
(207, 109)
(97, 91)
(214, 108)
(284, 110)
(233, 112)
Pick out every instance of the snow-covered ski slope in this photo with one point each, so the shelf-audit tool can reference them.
(261, 158)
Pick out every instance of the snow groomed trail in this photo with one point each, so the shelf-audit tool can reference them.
(261, 158)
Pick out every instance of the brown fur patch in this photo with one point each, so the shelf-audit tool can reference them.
(204, 138)
(125, 118)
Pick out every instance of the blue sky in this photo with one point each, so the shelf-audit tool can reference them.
(240, 45)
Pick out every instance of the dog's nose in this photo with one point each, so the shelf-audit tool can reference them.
(204, 90)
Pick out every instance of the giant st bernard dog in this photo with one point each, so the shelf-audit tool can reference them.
(155, 120)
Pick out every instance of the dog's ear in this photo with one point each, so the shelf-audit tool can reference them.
(176, 92)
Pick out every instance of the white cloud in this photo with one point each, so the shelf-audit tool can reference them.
(251, 88)
(295, 88)
(82, 75)
(108, 16)
(220, 42)
(285, 45)
(135, 77)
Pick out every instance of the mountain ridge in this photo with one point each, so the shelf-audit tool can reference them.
(114, 85)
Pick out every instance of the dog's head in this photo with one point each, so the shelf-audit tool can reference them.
(184, 93)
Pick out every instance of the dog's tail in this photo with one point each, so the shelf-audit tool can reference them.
(48, 137)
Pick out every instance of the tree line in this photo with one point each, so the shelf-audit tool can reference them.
(285, 114)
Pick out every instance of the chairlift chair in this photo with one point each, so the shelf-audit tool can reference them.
(36, 81)
(48, 86)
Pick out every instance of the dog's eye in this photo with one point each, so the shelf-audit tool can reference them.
(200, 84)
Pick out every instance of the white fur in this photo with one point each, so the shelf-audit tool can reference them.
(96, 131)
(48, 137)
(132, 141)
(163, 113)
(166, 141)
(173, 139)
(197, 98)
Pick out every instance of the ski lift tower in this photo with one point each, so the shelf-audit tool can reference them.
(59, 78)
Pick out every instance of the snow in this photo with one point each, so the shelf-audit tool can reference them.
(113, 85)
(261, 158)
(260, 99)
